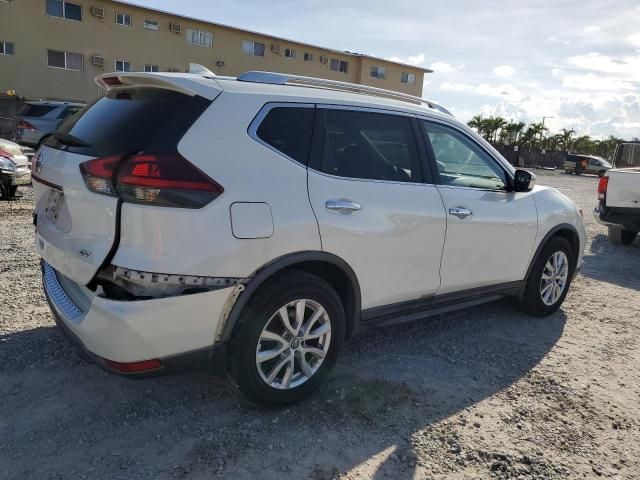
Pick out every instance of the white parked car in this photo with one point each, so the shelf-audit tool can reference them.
(256, 223)
(14, 168)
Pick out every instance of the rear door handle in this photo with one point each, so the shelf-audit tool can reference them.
(460, 212)
(345, 207)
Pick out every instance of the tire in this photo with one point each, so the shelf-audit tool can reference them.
(619, 236)
(533, 299)
(601, 173)
(262, 311)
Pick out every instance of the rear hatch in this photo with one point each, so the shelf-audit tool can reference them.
(76, 201)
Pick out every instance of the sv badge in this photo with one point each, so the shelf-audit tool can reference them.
(84, 253)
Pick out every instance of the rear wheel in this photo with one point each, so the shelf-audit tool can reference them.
(549, 280)
(287, 339)
(619, 236)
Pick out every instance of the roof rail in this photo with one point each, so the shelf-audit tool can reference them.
(286, 79)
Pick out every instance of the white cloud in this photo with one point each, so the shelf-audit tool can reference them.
(591, 81)
(591, 29)
(627, 67)
(634, 39)
(556, 72)
(504, 71)
(443, 67)
(417, 59)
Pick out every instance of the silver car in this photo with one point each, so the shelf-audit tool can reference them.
(38, 120)
(14, 168)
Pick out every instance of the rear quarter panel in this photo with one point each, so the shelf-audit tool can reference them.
(201, 242)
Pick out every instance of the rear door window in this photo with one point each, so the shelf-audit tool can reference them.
(34, 110)
(131, 120)
(288, 130)
(371, 146)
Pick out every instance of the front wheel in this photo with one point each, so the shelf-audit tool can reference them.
(619, 236)
(549, 280)
(287, 339)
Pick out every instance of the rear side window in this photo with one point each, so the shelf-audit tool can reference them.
(371, 146)
(288, 130)
(131, 120)
(33, 110)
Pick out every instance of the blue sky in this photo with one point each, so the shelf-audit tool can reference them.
(575, 61)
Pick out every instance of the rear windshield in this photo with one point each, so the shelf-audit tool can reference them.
(31, 110)
(131, 120)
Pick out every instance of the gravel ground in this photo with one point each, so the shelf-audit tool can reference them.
(481, 393)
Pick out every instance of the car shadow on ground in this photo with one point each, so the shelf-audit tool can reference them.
(617, 264)
(390, 386)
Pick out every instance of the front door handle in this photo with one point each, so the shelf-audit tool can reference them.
(460, 212)
(345, 207)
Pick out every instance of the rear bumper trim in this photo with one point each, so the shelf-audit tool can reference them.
(59, 300)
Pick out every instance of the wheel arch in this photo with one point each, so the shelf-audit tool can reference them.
(563, 230)
(327, 266)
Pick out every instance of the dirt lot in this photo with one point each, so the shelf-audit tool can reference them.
(486, 392)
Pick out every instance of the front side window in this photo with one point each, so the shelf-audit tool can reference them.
(289, 53)
(62, 9)
(123, 19)
(7, 48)
(66, 60)
(370, 146)
(339, 65)
(253, 48)
(200, 37)
(123, 66)
(288, 130)
(461, 162)
(379, 72)
(408, 78)
(68, 111)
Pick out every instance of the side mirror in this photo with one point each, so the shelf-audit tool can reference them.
(523, 181)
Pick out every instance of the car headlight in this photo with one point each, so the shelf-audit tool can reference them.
(7, 166)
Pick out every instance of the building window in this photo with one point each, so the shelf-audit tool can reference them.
(378, 72)
(253, 48)
(123, 66)
(200, 37)
(62, 9)
(65, 60)
(339, 65)
(151, 68)
(123, 19)
(289, 53)
(173, 70)
(408, 78)
(151, 24)
(7, 48)
(308, 57)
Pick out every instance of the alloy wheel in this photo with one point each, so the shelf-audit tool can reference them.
(293, 344)
(554, 278)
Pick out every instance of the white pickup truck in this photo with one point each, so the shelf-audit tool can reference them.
(619, 195)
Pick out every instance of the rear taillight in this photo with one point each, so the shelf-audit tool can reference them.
(166, 180)
(112, 81)
(24, 125)
(602, 188)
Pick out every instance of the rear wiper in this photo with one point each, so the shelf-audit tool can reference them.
(70, 140)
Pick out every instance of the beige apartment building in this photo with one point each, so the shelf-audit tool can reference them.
(53, 49)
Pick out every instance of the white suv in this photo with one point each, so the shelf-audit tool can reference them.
(256, 223)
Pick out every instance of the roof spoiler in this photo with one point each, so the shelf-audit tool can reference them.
(188, 84)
